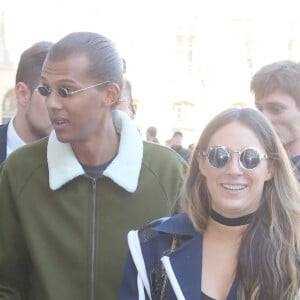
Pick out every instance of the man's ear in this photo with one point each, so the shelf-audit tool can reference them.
(23, 94)
(112, 94)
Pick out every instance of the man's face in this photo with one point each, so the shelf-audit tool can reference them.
(80, 117)
(177, 140)
(37, 116)
(281, 109)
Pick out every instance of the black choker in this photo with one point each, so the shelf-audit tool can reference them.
(231, 221)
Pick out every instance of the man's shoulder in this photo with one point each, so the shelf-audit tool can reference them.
(163, 162)
(162, 153)
(3, 128)
(3, 141)
(32, 152)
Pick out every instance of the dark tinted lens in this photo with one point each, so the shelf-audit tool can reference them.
(218, 157)
(44, 91)
(63, 92)
(249, 158)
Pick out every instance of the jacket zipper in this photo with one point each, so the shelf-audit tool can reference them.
(93, 241)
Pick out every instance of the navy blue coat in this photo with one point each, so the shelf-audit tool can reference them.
(3, 141)
(144, 271)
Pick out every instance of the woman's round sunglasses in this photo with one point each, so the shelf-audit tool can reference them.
(219, 156)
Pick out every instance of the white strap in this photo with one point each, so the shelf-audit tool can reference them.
(298, 295)
(172, 278)
(141, 289)
(137, 256)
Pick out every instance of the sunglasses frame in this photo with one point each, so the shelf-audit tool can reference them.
(64, 92)
(229, 152)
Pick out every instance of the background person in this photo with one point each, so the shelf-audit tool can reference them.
(151, 134)
(239, 235)
(68, 200)
(125, 102)
(176, 144)
(31, 121)
(277, 94)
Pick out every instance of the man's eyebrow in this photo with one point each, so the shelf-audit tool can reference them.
(62, 81)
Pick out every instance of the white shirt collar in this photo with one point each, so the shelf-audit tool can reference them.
(13, 139)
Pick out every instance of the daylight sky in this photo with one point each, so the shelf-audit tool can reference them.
(143, 32)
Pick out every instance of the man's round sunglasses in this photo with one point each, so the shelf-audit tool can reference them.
(64, 92)
(219, 156)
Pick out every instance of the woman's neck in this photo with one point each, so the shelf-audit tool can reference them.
(238, 221)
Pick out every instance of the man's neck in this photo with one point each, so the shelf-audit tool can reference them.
(22, 130)
(293, 148)
(14, 141)
(97, 151)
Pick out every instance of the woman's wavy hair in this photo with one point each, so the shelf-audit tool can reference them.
(268, 262)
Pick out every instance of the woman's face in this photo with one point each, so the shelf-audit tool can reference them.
(235, 191)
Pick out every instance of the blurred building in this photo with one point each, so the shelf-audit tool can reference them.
(7, 76)
(186, 60)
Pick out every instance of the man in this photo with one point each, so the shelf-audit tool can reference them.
(125, 102)
(277, 94)
(31, 121)
(151, 133)
(66, 209)
(176, 144)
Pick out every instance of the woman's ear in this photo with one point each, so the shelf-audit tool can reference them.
(270, 170)
(202, 165)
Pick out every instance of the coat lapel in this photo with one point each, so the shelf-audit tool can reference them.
(186, 263)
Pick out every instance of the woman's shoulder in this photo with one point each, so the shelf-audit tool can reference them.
(160, 238)
(163, 229)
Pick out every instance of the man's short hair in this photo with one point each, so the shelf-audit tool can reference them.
(105, 62)
(177, 133)
(31, 63)
(152, 131)
(281, 76)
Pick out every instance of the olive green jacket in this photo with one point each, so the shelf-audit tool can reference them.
(62, 234)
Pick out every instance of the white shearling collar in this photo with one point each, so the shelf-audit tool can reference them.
(124, 170)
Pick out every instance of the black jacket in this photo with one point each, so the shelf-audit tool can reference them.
(3, 141)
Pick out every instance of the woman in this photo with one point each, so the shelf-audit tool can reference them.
(238, 237)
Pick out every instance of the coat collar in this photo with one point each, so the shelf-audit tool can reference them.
(178, 224)
(186, 260)
(63, 165)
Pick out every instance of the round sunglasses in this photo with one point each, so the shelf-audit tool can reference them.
(64, 92)
(219, 156)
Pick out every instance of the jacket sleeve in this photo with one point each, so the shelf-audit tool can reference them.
(14, 264)
(135, 283)
(131, 286)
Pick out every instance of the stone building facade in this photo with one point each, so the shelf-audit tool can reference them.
(7, 77)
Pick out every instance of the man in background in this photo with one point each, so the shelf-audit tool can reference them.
(125, 102)
(276, 88)
(176, 144)
(31, 121)
(151, 134)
